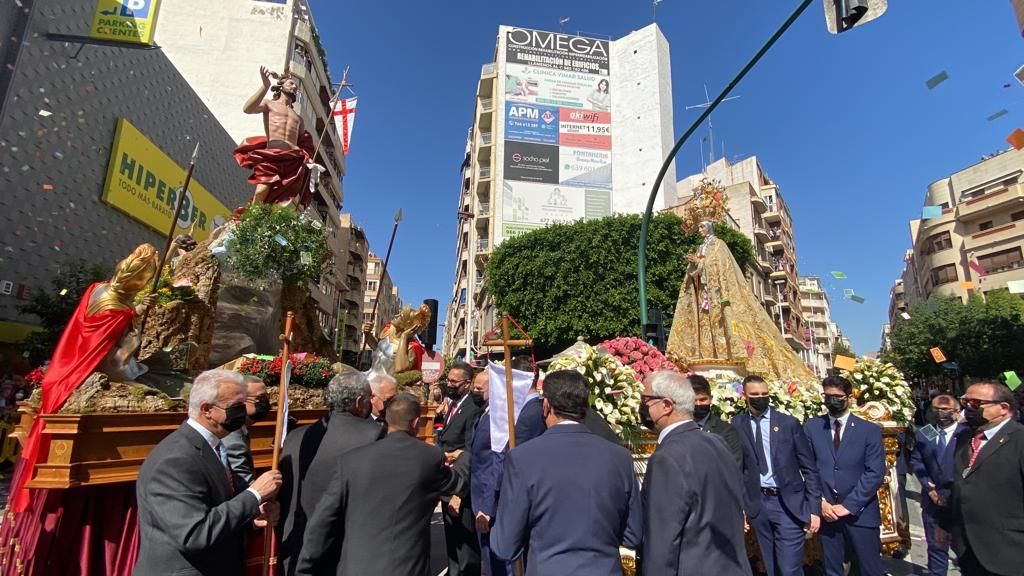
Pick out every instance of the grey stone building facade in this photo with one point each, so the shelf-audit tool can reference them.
(59, 108)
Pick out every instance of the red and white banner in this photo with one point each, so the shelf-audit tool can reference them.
(344, 117)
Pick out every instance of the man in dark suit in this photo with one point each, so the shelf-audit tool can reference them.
(453, 438)
(851, 465)
(932, 464)
(787, 491)
(379, 504)
(348, 394)
(383, 388)
(692, 497)
(297, 453)
(710, 422)
(569, 494)
(485, 477)
(987, 501)
(194, 512)
(257, 406)
(530, 420)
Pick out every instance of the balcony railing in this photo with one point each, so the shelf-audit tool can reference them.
(483, 244)
(488, 69)
(485, 208)
(486, 138)
(486, 104)
(485, 171)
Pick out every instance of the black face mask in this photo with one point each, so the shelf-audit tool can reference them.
(701, 412)
(943, 419)
(478, 398)
(974, 417)
(758, 404)
(261, 407)
(453, 393)
(235, 417)
(645, 417)
(836, 406)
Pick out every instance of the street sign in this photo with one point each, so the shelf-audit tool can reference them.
(843, 15)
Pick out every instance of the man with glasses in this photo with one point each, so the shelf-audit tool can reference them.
(851, 466)
(383, 388)
(692, 495)
(987, 502)
(932, 464)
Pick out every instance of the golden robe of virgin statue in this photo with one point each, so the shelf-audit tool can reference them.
(718, 319)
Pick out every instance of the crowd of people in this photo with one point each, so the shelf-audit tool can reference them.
(356, 490)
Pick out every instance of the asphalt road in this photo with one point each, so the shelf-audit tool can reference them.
(917, 561)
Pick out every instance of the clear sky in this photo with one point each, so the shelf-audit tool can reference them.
(844, 124)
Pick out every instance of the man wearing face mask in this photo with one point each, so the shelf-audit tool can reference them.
(987, 501)
(710, 422)
(194, 511)
(933, 465)
(692, 496)
(785, 496)
(384, 389)
(257, 406)
(851, 465)
(453, 438)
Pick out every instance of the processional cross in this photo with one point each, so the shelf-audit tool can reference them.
(507, 344)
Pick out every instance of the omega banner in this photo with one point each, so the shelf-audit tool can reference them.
(557, 130)
(143, 182)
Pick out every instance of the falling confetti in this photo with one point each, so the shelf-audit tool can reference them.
(280, 240)
(48, 187)
(936, 80)
(857, 299)
(45, 113)
(1016, 139)
(58, 155)
(999, 114)
(937, 355)
(838, 275)
(1012, 380)
(929, 212)
(63, 291)
(905, 316)
(305, 258)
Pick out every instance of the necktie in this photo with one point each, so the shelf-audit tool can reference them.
(975, 447)
(837, 430)
(942, 441)
(223, 455)
(451, 412)
(762, 463)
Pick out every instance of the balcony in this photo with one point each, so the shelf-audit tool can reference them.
(995, 235)
(774, 245)
(779, 273)
(488, 70)
(769, 299)
(758, 203)
(486, 105)
(772, 214)
(483, 245)
(761, 234)
(486, 138)
(766, 266)
(484, 172)
(1009, 198)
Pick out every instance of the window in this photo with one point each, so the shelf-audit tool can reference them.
(944, 274)
(1017, 216)
(371, 285)
(985, 225)
(1001, 261)
(938, 243)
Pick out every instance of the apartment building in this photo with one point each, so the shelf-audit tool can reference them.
(821, 333)
(380, 292)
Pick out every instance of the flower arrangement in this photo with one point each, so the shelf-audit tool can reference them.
(638, 355)
(168, 290)
(308, 370)
(800, 400)
(35, 377)
(614, 387)
(877, 381)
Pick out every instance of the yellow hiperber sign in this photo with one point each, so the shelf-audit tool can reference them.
(142, 182)
(125, 20)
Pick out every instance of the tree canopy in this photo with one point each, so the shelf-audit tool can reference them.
(983, 336)
(579, 280)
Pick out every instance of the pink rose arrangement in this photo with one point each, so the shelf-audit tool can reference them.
(640, 356)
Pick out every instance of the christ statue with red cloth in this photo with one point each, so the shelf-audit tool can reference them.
(280, 159)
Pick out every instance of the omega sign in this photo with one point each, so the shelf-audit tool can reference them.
(558, 51)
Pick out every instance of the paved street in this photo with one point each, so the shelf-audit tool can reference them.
(917, 561)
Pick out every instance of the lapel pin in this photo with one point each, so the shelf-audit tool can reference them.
(775, 429)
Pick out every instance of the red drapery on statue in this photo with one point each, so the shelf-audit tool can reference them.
(85, 342)
(283, 170)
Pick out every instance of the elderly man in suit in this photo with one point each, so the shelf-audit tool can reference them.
(932, 464)
(787, 492)
(851, 466)
(348, 394)
(568, 493)
(379, 504)
(194, 511)
(453, 438)
(987, 501)
(383, 388)
(692, 497)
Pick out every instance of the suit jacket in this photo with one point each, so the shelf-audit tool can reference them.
(932, 466)
(692, 507)
(455, 435)
(727, 431)
(297, 453)
(530, 421)
(987, 502)
(344, 432)
(378, 507)
(599, 426)
(793, 465)
(485, 469)
(573, 499)
(239, 458)
(190, 522)
(852, 476)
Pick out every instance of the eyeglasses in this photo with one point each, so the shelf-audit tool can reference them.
(645, 398)
(226, 408)
(835, 396)
(976, 403)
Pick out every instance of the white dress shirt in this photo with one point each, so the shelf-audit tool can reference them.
(843, 420)
(664, 432)
(991, 433)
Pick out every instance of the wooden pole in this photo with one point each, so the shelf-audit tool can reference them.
(383, 271)
(269, 552)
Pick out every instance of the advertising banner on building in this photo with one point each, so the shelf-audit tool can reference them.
(131, 21)
(557, 130)
(143, 182)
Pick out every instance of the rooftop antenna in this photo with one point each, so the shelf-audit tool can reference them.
(711, 126)
(562, 22)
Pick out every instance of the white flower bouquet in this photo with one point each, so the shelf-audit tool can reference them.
(877, 381)
(800, 400)
(614, 388)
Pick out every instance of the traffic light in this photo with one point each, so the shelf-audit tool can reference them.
(654, 330)
(843, 15)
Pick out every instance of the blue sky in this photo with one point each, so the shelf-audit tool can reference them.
(845, 125)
